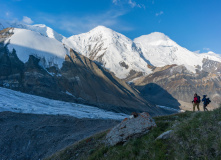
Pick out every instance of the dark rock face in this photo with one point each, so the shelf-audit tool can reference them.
(123, 64)
(79, 80)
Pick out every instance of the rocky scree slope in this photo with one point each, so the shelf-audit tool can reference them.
(34, 137)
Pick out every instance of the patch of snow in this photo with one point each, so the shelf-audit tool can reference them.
(77, 78)
(59, 75)
(169, 108)
(68, 93)
(25, 103)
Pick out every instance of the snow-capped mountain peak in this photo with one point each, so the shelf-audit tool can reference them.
(113, 50)
(26, 42)
(101, 29)
(155, 39)
(40, 28)
(160, 50)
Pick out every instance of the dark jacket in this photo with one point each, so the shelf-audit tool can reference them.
(204, 100)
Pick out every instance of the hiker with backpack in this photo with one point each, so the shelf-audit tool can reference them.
(205, 101)
(196, 102)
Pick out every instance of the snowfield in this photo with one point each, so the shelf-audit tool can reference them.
(25, 103)
(26, 42)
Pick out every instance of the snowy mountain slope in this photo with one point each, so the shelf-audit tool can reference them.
(211, 56)
(25, 103)
(160, 50)
(26, 42)
(40, 28)
(113, 50)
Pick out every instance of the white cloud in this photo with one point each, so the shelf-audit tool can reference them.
(198, 51)
(27, 20)
(160, 13)
(132, 3)
(115, 2)
(206, 49)
(7, 13)
(77, 25)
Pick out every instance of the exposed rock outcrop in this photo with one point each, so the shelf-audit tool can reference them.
(130, 128)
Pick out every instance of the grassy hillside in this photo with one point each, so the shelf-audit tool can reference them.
(197, 135)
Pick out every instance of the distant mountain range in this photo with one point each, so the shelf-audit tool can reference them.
(150, 59)
(39, 65)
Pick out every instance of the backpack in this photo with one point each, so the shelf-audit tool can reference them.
(198, 99)
(208, 101)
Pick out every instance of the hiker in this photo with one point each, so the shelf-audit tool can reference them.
(206, 101)
(196, 102)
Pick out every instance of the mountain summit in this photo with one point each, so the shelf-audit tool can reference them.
(155, 38)
(160, 50)
(40, 28)
(113, 50)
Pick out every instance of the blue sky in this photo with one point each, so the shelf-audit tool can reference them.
(193, 24)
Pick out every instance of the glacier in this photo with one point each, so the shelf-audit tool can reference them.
(18, 102)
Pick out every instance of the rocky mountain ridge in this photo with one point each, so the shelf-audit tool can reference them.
(78, 80)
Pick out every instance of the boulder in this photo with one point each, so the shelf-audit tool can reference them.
(128, 128)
